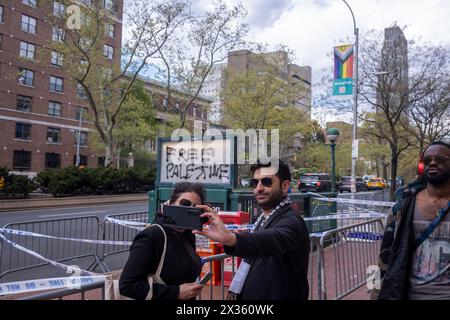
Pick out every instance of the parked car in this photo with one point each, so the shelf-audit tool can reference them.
(367, 177)
(376, 183)
(346, 184)
(315, 182)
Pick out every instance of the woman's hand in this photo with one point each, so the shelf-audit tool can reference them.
(189, 290)
(217, 230)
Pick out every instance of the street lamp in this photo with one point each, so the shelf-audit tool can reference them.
(332, 136)
(77, 163)
(355, 104)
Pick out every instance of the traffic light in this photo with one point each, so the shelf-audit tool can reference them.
(2, 183)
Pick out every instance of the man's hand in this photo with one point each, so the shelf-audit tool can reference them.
(217, 230)
(189, 290)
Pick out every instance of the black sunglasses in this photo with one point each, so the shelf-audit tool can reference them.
(438, 159)
(186, 203)
(266, 182)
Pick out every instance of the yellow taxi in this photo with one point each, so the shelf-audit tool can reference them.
(376, 183)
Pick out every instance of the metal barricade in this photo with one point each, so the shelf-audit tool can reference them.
(95, 291)
(117, 232)
(344, 256)
(87, 227)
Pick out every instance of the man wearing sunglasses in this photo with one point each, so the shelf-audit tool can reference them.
(415, 251)
(276, 251)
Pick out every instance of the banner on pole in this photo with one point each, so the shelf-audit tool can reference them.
(343, 71)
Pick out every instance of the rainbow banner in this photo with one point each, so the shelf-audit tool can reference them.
(343, 71)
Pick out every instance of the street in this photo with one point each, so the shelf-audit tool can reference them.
(99, 211)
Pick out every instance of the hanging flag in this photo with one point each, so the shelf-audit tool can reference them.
(343, 71)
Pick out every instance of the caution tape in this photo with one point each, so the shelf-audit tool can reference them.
(38, 235)
(69, 269)
(347, 216)
(356, 201)
(47, 284)
(129, 224)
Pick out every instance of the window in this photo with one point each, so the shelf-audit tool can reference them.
(53, 135)
(22, 159)
(83, 160)
(31, 3)
(83, 138)
(26, 77)
(107, 74)
(23, 131)
(54, 109)
(56, 84)
(57, 59)
(107, 94)
(1, 14)
(29, 24)
(1, 40)
(24, 103)
(108, 51)
(59, 9)
(81, 112)
(57, 34)
(108, 5)
(27, 50)
(52, 161)
(81, 93)
(101, 161)
(109, 30)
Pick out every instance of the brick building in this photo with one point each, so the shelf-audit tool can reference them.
(41, 109)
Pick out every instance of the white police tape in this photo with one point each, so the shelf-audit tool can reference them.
(129, 224)
(69, 269)
(347, 216)
(48, 284)
(356, 201)
(38, 235)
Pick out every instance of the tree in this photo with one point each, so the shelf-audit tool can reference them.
(94, 68)
(203, 41)
(430, 116)
(391, 91)
(260, 98)
(136, 124)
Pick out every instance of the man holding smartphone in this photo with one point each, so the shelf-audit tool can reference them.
(276, 252)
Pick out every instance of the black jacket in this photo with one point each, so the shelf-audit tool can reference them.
(397, 246)
(181, 264)
(279, 254)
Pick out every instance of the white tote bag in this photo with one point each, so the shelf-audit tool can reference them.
(112, 278)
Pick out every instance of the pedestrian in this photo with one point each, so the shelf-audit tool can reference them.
(182, 265)
(415, 250)
(276, 253)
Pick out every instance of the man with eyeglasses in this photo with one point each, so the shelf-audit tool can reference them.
(276, 251)
(415, 250)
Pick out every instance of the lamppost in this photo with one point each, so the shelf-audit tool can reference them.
(77, 163)
(355, 104)
(332, 136)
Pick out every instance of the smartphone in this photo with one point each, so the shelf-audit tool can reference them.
(205, 278)
(182, 217)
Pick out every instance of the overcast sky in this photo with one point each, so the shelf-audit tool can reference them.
(313, 27)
